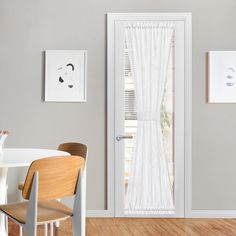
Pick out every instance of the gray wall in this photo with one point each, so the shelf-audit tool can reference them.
(27, 28)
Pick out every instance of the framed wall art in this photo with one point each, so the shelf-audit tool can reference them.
(65, 75)
(222, 77)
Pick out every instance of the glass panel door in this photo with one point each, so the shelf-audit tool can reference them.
(171, 123)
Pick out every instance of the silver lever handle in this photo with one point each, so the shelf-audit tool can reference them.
(120, 137)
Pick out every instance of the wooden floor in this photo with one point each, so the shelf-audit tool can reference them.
(143, 227)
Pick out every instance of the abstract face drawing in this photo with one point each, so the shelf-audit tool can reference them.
(230, 76)
(66, 75)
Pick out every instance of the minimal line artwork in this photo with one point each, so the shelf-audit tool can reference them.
(230, 76)
(65, 76)
(222, 77)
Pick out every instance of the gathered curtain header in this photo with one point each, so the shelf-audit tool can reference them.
(143, 25)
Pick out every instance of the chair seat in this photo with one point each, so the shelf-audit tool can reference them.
(48, 211)
(20, 186)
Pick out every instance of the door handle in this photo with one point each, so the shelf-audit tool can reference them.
(120, 137)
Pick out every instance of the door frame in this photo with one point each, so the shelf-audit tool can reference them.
(111, 19)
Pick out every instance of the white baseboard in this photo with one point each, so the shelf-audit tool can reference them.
(212, 214)
(99, 213)
(194, 214)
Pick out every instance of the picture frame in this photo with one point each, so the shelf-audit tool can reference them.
(65, 75)
(222, 77)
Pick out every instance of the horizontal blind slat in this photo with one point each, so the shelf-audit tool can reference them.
(130, 106)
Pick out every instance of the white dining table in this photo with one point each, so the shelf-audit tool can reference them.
(19, 157)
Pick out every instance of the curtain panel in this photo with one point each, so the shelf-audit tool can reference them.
(149, 188)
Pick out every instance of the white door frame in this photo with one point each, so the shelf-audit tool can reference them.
(186, 18)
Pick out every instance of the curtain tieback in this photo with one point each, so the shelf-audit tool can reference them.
(145, 116)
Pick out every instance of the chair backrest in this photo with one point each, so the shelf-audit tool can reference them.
(76, 149)
(57, 177)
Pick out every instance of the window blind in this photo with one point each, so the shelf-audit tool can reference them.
(130, 104)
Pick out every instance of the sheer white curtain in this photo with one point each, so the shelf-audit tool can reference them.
(149, 187)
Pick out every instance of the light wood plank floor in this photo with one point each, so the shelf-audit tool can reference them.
(147, 227)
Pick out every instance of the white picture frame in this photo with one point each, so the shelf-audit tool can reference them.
(222, 77)
(65, 75)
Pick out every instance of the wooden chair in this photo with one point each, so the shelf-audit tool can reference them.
(49, 179)
(75, 149)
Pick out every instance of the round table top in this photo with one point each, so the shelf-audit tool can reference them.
(16, 157)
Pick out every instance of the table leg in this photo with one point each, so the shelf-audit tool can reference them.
(3, 180)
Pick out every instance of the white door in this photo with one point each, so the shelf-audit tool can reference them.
(172, 120)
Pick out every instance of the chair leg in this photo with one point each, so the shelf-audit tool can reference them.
(31, 218)
(79, 209)
(57, 224)
(30, 230)
(51, 229)
(45, 230)
(6, 225)
(6, 218)
(21, 230)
